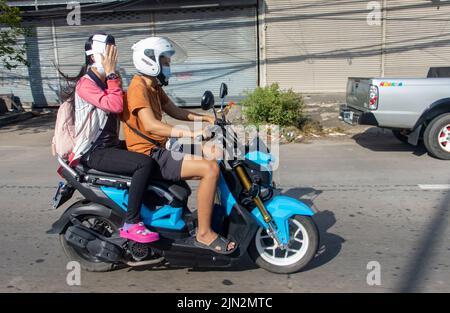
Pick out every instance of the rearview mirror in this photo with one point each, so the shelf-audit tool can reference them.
(223, 90)
(207, 100)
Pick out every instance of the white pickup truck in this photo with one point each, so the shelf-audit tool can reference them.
(415, 109)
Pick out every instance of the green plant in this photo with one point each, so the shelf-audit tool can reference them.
(11, 52)
(271, 105)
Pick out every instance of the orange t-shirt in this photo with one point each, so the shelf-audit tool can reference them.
(142, 93)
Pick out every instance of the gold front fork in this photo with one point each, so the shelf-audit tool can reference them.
(242, 174)
(271, 230)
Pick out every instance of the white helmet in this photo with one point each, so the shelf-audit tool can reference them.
(146, 53)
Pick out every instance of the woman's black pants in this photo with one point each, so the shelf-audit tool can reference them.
(128, 163)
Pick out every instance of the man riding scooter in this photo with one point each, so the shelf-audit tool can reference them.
(146, 133)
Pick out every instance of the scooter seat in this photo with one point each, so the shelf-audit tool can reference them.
(87, 171)
(91, 171)
(179, 189)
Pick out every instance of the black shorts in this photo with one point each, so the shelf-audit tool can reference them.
(169, 162)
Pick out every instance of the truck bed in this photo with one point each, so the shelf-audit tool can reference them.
(401, 101)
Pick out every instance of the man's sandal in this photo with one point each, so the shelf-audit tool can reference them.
(219, 245)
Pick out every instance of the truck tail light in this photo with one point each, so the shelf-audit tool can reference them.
(373, 97)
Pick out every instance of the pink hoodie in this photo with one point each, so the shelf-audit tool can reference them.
(109, 100)
(92, 105)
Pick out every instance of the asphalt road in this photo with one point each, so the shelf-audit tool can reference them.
(371, 194)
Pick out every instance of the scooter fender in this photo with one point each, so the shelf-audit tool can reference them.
(281, 208)
(80, 208)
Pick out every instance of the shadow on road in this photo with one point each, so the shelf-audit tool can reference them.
(35, 125)
(432, 242)
(306, 195)
(382, 140)
(330, 244)
(244, 264)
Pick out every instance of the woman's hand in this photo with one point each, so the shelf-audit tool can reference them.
(109, 61)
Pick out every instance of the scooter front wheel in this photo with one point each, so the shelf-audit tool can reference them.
(302, 247)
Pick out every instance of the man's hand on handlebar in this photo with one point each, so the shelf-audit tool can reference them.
(209, 119)
(204, 134)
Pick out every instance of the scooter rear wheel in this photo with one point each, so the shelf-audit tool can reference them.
(302, 247)
(88, 262)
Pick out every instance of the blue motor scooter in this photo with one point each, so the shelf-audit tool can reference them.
(277, 231)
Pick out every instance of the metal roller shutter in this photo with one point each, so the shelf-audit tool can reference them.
(220, 43)
(38, 83)
(127, 28)
(221, 47)
(313, 46)
(417, 37)
(16, 79)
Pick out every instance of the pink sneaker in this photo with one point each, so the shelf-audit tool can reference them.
(139, 233)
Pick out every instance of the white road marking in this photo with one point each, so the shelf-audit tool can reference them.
(435, 187)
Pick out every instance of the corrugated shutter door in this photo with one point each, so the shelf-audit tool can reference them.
(314, 46)
(221, 47)
(127, 28)
(220, 43)
(50, 82)
(417, 38)
(11, 81)
(38, 83)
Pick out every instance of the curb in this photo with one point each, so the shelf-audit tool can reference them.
(15, 117)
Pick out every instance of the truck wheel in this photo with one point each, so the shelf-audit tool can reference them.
(399, 134)
(437, 137)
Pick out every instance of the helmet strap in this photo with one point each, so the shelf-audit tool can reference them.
(162, 80)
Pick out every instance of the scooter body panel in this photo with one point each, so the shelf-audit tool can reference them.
(226, 197)
(164, 217)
